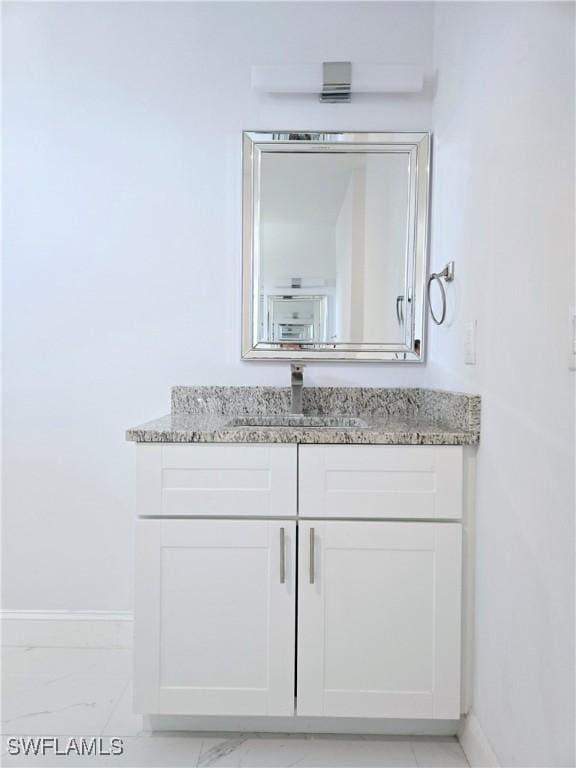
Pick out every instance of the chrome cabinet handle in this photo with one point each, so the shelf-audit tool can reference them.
(282, 556)
(399, 310)
(312, 556)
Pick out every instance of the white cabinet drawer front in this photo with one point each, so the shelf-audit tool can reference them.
(232, 478)
(215, 617)
(211, 480)
(379, 629)
(219, 456)
(384, 481)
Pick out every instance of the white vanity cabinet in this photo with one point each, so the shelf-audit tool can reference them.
(311, 580)
(215, 613)
(379, 619)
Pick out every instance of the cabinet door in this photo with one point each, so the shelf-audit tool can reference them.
(215, 616)
(379, 627)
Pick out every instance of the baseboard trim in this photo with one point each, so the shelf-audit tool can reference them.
(67, 629)
(476, 746)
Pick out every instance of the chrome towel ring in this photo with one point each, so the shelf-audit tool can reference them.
(447, 274)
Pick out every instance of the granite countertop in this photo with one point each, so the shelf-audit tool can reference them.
(391, 416)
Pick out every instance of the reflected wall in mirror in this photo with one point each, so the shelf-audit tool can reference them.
(334, 245)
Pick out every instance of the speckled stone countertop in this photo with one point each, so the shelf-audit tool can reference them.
(388, 416)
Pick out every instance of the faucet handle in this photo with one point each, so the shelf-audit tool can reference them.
(297, 382)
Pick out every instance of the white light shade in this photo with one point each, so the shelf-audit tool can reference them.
(366, 78)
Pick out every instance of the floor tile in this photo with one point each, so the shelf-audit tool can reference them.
(162, 751)
(74, 705)
(123, 721)
(439, 753)
(61, 691)
(282, 751)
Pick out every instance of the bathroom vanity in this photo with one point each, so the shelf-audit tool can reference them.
(303, 557)
(303, 567)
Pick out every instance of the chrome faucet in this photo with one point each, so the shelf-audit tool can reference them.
(296, 383)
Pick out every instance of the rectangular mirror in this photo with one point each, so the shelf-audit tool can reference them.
(334, 245)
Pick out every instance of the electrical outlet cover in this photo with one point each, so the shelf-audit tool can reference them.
(470, 342)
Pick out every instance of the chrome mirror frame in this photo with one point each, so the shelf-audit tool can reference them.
(418, 147)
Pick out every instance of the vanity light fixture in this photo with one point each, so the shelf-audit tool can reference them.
(335, 81)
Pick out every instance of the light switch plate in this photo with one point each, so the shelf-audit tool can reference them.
(572, 339)
(470, 342)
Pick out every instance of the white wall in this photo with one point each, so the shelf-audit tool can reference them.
(290, 251)
(503, 199)
(344, 235)
(122, 201)
(385, 225)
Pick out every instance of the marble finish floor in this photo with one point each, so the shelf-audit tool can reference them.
(75, 692)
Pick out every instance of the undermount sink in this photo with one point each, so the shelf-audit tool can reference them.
(295, 420)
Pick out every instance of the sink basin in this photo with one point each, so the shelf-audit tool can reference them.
(293, 420)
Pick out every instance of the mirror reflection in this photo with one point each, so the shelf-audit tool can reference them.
(333, 246)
